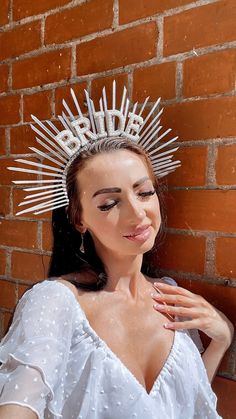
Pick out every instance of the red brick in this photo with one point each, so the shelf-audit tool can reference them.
(221, 297)
(202, 119)
(157, 80)
(18, 196)
(64, 93)
(193, 167)
(29, 266)
(22, 289)
(19, 40)
(119, 49)
(7, 176)
(2, 262)
(22, 137)
(49, 67)
(26, 8)
(209, 74)
(4, 72)
(133, 9)
(4, 12)
(225, 165)
(9, 110)
(2, 141)
(47, 236)
(225, 256)
(38, 104)
(183, 253)
(4, 201)
(79, 21)
(198, 27)
(99, 83)
(225, 390)
(17, 233)
(7, 294)
(210, 210)
(7, 319)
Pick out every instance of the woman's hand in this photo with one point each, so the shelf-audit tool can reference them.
(177, 301)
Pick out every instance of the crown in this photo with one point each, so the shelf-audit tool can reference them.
(61, 147)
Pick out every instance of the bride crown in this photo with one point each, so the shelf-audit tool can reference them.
(61, 147)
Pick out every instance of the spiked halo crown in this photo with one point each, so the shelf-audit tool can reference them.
(61, 147)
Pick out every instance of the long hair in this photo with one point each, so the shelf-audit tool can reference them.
(66, 255)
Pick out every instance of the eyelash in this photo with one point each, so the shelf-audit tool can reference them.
(142, 194)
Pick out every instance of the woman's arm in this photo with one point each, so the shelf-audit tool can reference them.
(212, 357)
(11, 411)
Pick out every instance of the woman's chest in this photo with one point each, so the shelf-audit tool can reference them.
(135, 334)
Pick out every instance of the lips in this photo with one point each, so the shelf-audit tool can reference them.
(138, 231)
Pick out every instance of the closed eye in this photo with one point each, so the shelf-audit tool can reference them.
(107, 207)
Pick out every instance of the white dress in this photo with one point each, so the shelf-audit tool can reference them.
(56, 364)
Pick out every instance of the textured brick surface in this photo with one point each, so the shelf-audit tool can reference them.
(193, 167)
(226, 165)
(2, 262)
(183, 253)
(64, 93)
(203, 210)
(2, 141)
(49, 67)
(209, 74)
(79, 21)
(9, 109)
(4, 201)
(119, 49)
(7, 295)
(47, 236)
(28, 266)
(202, 119)
(4, 72)
(225, 256)
(157, 80)
(4, 12)
(200, 27)
(26, 8)
(38, 104)
(29, 36)
(133, 9)
(22, 137)
(98, 84)
(17, 233)
(225, 389)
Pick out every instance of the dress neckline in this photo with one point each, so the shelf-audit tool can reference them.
(91, 331)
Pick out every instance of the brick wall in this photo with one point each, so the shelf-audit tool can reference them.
(182, 50)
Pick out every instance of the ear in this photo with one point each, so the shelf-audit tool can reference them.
(80, 227)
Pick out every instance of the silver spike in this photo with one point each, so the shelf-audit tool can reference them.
(42, 198)
(90, 112)
(53, 144)
(76, 102)
(39, 206)
(52, 151)
(43, 166)
(162, 146)
(50, 208)
(46, 156)
(39, 188)
(50, 191)
(19, 169)
(123, 99)
(68, 110)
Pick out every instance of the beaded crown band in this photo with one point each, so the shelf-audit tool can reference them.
(61, 147)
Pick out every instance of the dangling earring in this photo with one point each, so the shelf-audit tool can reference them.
(82, 244)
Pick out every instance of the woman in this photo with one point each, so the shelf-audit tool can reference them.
(102, 341)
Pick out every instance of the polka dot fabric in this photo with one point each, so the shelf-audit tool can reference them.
(54, 363)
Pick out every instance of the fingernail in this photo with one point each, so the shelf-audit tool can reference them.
(168, 326)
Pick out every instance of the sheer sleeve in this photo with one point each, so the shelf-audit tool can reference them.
(35, 351)
(193, 333)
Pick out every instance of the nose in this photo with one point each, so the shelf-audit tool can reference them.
(135, 210)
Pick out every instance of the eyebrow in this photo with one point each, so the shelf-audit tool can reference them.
(118, 190)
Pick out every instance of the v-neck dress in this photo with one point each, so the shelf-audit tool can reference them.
(54, 363)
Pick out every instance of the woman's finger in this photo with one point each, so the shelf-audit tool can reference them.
(189, 324)
(180, 311)
(172, 289)
(174, 299)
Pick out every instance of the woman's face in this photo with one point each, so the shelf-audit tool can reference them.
(120, 207)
